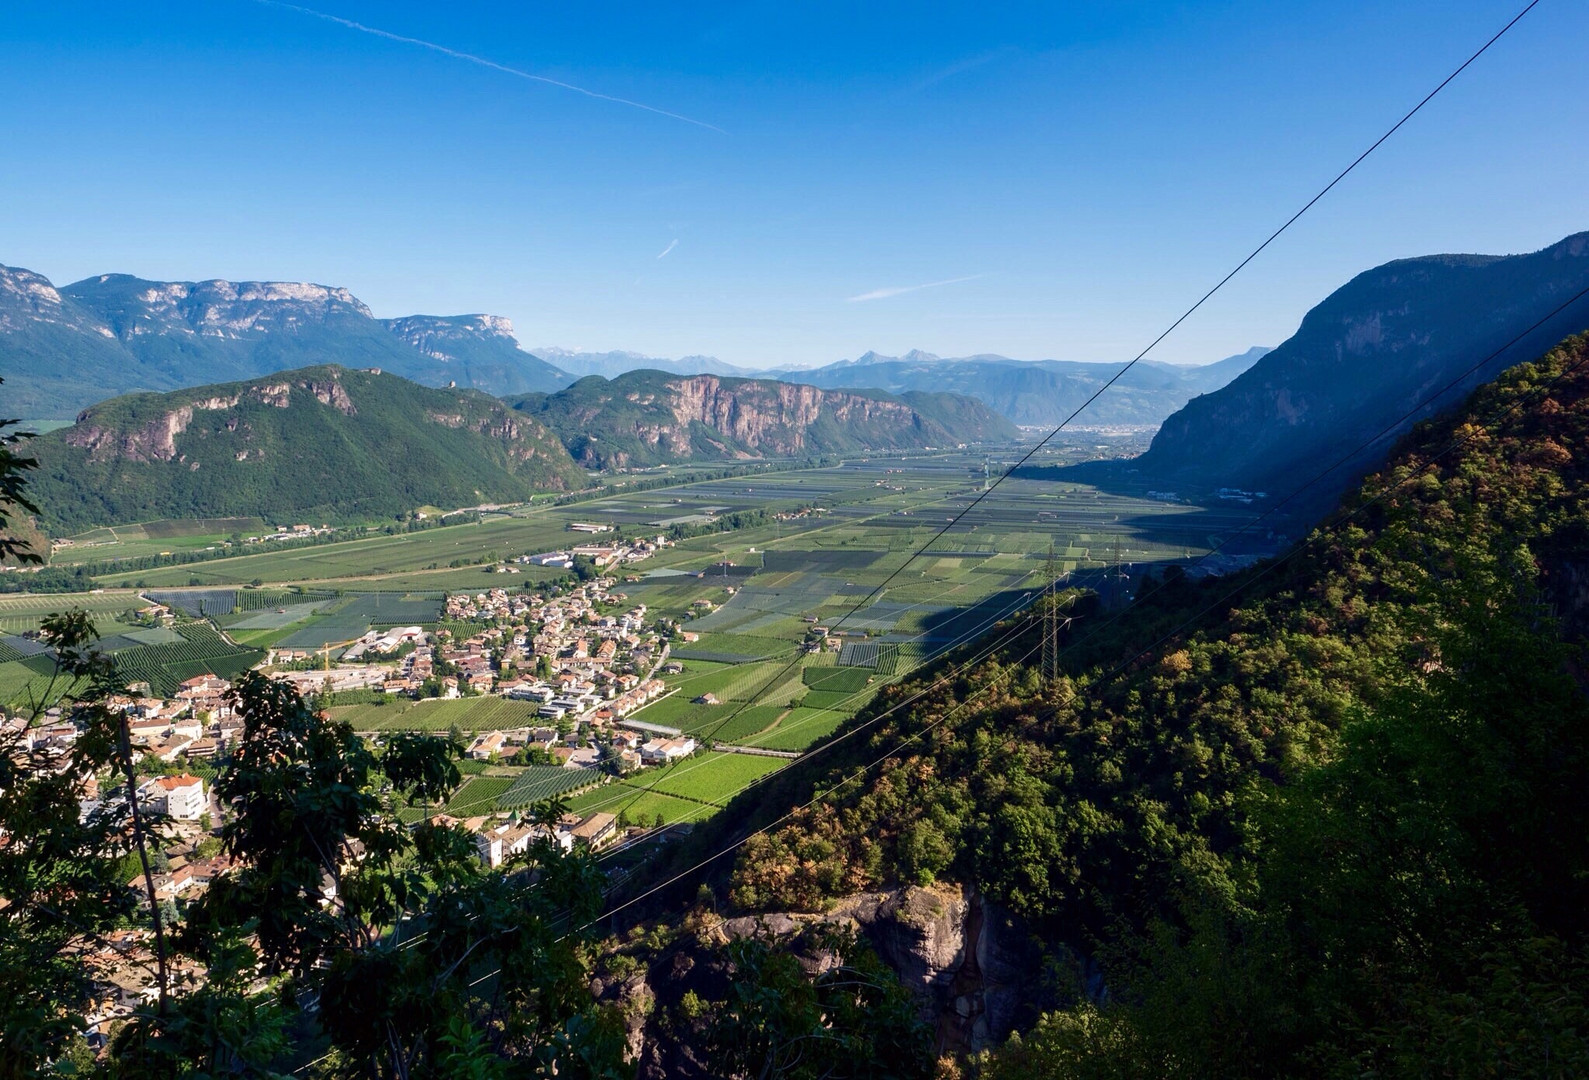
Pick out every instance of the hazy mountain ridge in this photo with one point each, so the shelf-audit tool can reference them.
(646, 418)
(609, 365)
(1038, 392)
(321, 442)
(478, 351)
(1368, 353)
(64, 349)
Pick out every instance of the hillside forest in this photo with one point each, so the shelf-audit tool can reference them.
(1326, 817)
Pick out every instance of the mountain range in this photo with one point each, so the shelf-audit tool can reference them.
(322, 443)
(644, 418)
(1396, 344)
(1039, 392)
(64, 349)
(334, 444)
(611, 364)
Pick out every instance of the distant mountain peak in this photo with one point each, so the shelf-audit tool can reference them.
(480, 326)
(63, 349)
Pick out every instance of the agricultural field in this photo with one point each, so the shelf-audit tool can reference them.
(466, 714)
(709, 776)
(153, 538)
(637, 805)
(200, 650)
(21, 612)
(797, 729)
(538, 782)
(478, 795)
(161, 657)
(687, 791)
(514, 789)
(849, 567)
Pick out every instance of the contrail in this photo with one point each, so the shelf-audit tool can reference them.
(898, 290)
(667, 249)
(483, 62)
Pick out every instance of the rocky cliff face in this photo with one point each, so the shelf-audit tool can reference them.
(969, 963)
(349, 445)
(775, 417)
(221, 309)
(28, 299)
(1410, 337)
(478, 351)
(63, 349)
(646, 418)
(438, 336)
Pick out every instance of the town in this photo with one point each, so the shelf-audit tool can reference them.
(575, 655)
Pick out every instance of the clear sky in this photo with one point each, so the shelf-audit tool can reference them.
(1070, 175)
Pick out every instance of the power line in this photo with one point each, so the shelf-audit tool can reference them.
(988, 489)
(1132, 659)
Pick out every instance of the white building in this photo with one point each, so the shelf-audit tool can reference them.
(178, 797)
(662, 751)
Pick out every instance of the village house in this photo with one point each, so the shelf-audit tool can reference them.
(596, 831)
(662, 751)
(178, 797)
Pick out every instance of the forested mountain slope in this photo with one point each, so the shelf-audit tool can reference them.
(649, 417)
(1328, 818)
(323, 443)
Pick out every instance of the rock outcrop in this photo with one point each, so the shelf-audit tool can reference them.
(323, 442)
(968, 962)
(63, 349)
(647, 418)
(1399, 343)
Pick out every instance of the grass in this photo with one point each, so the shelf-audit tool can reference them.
(752, 719)
(539, 782)
(746, 645)
(799, 729)
(640, 806)
(837, 679)
(23, 682)
(478, 795)
(709, 776)
(467, 714)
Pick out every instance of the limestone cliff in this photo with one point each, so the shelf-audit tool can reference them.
(322, 442)
(647, 417)
(1398, 343)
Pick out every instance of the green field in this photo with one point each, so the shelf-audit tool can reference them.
(539, 782)
(798, 729)
(816, 569)
(709, 776)
(731, 728)
(25, 683)
(24, 611)
(640, 806)
(845, 680)
(467, 714)
(478, 795)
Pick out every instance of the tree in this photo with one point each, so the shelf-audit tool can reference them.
(60, 873)
(400, 933)
(850, 1021)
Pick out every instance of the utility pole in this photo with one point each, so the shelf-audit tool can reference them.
(1114, 573)
(1050, 619)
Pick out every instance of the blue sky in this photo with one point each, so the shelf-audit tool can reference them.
(1072, 174)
